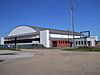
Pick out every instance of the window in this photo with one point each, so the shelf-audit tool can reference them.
(84, 42)
(59, 42)
(76, 42)
(69, 42)
(65, 41)
(89, 43)
(81, 42)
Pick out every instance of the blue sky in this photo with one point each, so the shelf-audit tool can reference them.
(50, 14)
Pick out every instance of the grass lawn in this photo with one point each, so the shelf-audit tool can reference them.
(84, 48)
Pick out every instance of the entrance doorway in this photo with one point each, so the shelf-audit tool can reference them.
(54, 43)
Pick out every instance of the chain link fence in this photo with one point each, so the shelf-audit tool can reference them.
(27, 46)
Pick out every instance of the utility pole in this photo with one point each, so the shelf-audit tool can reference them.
(72, 22)
(68, 36)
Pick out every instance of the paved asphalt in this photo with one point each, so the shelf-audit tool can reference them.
(53, 62)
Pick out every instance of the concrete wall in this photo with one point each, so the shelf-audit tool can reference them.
(93, 41)
(80, 39)
(2, 40)
(62, 36)
(44, 38)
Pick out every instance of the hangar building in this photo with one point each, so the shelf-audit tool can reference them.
(24, 34)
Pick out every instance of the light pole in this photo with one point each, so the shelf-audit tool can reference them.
(72, 22)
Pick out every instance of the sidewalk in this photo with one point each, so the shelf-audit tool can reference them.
(7, 51)
(7, 54)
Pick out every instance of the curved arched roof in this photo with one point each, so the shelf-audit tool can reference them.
(24, 30)
(21, 30)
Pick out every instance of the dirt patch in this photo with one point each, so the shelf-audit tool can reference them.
(8, 54)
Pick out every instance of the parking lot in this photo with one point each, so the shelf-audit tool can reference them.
(51, 62)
